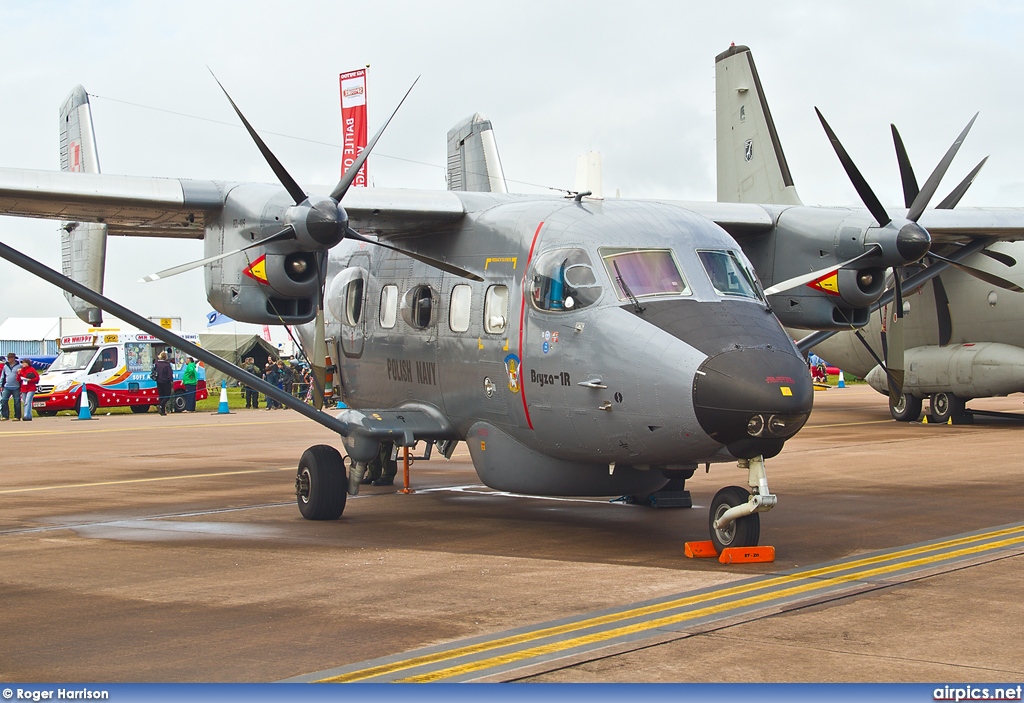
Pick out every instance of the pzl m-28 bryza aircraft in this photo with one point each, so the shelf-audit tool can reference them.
(578, 347)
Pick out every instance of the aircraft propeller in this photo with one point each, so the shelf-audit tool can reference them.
(911, 236)
(317, 224)
(910, 192)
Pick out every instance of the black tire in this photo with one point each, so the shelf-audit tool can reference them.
(94, 403)
(320, 483)
(140, 409)
(177, 404)
(945, 406)
(743, 532)
(908, 409)
(47, 413)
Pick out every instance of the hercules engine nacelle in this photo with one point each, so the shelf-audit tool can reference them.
(267, 284)
(843, 298)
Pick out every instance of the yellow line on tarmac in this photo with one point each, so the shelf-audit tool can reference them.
(37, 433)
(142, 480)
(596, 637)
(525, 637)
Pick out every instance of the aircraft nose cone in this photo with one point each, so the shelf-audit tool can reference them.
(752, 399)
(913, 241)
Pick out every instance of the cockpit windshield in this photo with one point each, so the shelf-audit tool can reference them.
(639, 273)
(75, 360)
(729, 275)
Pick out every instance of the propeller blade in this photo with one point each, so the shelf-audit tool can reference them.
(942, 315)
(1002, 257)
(814, 275)
(928, 189)
(350, 175)
(894, 361)
(298, 195)
(286, 233)
(429, 261)
(319, 360)
(951, 200)
(982, 275)
(910, 188)
(867, 196)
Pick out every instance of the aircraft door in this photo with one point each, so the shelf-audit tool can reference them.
(348, 293)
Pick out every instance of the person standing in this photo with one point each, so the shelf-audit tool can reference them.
(273, 377)
(252, 396)
(28, 379)
(189, 378)
(164, 381)
(10, 386)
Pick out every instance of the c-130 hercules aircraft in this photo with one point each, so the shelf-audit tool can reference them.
(578, 347)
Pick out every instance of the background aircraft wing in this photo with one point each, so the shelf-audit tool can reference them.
(740, 220)
(995, 223)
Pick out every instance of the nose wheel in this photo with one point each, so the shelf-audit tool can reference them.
(741, 532)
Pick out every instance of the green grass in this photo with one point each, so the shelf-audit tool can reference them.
(236, 400)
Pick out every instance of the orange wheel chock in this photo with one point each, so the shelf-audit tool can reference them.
(747, 555)
(698, 550)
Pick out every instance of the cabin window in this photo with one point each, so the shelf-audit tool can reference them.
(728, 274)
(458, 310)
(354, 302)
(417, 307)
(563, 280)
(496, 309)
(640, 273)
(388, 306)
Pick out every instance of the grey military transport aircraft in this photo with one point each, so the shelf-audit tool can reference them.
(578, 346)
(962, 334)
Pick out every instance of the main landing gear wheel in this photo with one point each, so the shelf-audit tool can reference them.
(945, 406)
(742, 532)
(320, 484)
(906, 409)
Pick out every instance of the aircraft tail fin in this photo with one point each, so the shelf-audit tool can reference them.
(83, 244)
(473, 162)
(751, 165)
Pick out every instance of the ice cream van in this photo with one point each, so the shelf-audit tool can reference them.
(113, 369)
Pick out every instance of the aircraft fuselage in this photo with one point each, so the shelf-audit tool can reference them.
(557, 380)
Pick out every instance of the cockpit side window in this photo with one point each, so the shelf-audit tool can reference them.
(563, 280)
(729, 275)
(639, 273)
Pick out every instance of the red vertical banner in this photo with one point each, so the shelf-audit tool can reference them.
(353, 121)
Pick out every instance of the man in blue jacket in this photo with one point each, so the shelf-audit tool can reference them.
(11, 387)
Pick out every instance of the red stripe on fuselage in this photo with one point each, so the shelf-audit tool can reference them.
(522, 315)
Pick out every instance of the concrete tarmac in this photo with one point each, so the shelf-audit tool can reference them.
(148, 548)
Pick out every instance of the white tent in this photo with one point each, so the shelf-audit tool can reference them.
(29, 335)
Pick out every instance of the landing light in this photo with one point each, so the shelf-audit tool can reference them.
(777, 426)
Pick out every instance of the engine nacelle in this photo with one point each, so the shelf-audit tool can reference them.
(272, 284)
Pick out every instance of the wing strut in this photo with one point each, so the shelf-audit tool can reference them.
(226, 367)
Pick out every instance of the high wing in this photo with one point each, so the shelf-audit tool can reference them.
(743, 220)
(179, 208)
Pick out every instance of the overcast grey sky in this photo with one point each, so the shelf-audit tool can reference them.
(632, 80)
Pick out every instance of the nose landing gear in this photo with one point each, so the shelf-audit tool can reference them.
(734, 518)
